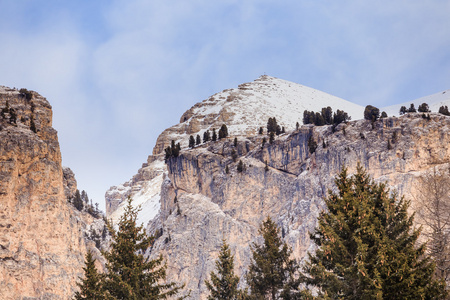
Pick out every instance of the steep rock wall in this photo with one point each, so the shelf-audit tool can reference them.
(211, 204)
(42, 242)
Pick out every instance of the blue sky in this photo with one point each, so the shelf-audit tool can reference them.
(117, 73)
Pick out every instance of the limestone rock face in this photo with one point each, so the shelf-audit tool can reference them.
(42, 242)
(211, 204)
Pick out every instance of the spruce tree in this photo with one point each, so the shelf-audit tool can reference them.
(223, 284)
(198, 141)
(403, 110)
(271, 272)
(206, 136)
(77, 201)
(129, 274)
(214, 135)
(91, 286)
(367, 246)
(191, 142)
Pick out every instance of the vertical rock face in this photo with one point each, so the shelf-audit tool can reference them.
(211, 204)
(41, 237)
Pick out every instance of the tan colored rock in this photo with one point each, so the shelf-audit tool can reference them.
(42, 242)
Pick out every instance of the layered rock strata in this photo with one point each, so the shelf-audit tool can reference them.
(42, 242)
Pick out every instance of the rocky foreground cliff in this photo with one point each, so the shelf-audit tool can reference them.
(195, 200)
(42, 237)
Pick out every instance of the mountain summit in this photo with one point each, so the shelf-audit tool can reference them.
(246, 108)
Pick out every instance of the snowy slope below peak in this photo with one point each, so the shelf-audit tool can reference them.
(248, 107)
(434, 101)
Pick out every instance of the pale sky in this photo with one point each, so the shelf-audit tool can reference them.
(117, 73)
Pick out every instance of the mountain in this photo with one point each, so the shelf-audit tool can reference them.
(434, 101)
(191, 202)
(244, 110)
(43, 239)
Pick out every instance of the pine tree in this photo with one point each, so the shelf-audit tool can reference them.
(198, 140)
(214, 135)
(368, 247)
(261, 131)
(411, 108)
(223, 284)
(271, 272)
(271, 138)
(403, 110)
(191, 142)
(91, 286)
(206, 136)
(423, 108)
(77, 201)
(235, 142)
(297, 126)
(444, 110)
(371, 113)
(223, 131)
(129, 274)
(240, 166)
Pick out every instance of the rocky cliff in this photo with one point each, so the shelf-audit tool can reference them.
(42, 237)
(196, 202)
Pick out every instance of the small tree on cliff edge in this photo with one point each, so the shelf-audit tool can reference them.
(223, 285)
(129, 274)
(368, 247)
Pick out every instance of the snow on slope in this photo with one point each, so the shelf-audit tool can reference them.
(248, 107)
(434, 102)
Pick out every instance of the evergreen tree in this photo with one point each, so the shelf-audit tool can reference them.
(272, 126)
(191, 142)
(223, 131)
(214, 135)
(371, 113)
(297, 126)
(384, 114)
(198, 141)
(129, 274)
(206, 136)
(235, 142)
(340, 116)
(271, 272)
(271, 138)
(261, 131)
(423, 108)
(327, 115)
(91, 286)
(411, 108)
(403, 110)
(368, 247)
(240, 166)
(444, 110)
(223, 284)
(77, 201)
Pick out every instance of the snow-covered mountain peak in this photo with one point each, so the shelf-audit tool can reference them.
(248, 107)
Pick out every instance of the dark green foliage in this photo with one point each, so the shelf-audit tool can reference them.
(297, 126)
(223, 284)
(271, 138)
(264, 141)
(191, 142)
(271, 272)
(325, 117)
(235, 142)
(129, 274)
(412, 109)
(340, 116)
(91, 286)
(403, 110)
(77, 201)
(223, 131)
(312, 145)
(384, 114)
(172, 150)
(240, 166)
(32, 124)
(444, 110)
(371, 113)
(234, 154)
(423, 108)
(272, 125)
(198, 141)
(261, 130)
(28, 94)
(214, 135)
(368, 246)
(206, 136)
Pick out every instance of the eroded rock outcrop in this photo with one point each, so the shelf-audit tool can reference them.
(201, 203)
(42, 242)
